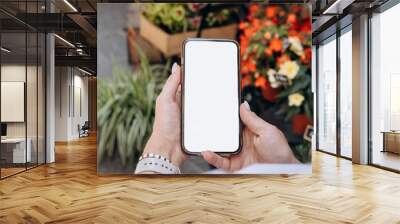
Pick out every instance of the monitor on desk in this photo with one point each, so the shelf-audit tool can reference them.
(3, 130)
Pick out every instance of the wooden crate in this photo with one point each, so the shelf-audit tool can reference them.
(170, 44)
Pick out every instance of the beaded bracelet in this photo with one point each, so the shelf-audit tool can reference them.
(153, 163)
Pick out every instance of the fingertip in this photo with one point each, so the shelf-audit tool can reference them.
(246, 105)
(244, 111)
(174, 68)
(206, 154)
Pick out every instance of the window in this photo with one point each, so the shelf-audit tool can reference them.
(327, 96)
(385, 89)
(346, 92)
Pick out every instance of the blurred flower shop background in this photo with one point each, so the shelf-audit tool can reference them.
(275, 42)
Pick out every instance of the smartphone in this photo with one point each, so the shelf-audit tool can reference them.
(211, 96)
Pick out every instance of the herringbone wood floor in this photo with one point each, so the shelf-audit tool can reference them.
(69, 191)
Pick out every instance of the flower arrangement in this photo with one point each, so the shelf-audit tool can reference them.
(180, 17)
(276, 62)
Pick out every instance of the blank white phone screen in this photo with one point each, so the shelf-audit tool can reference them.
(211, 102)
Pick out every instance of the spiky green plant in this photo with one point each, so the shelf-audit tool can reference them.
(126, 110)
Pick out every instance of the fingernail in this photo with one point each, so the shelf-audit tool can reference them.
(246, 105)
(174, 68)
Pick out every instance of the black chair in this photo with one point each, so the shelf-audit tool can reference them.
(84, 130)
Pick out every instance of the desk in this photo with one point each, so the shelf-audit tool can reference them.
(16, 147)
(391, 141)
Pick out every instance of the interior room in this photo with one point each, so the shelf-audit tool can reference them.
(49, 135)
(22, 100)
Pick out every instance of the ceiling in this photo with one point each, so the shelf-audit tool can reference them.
(330, 15)
(76, 22)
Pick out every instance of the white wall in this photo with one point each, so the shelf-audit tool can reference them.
(71, 94)
(12, 73)
(34, 125)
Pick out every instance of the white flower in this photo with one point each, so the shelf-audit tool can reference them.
(289, 69)
(271, 78)
(295, 46)
(296, 99)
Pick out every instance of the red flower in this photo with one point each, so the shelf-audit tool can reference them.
(306, 27)
(300, 122)
(306, 57)
(246, 81)
(268, 92)
(293, 33)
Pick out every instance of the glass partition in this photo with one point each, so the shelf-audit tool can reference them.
(22, 78)
(327, 96)
(14, 153)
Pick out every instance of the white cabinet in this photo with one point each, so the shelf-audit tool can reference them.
(19, 155)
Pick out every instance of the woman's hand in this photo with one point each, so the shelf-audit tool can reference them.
(262, 143)
(166, 135)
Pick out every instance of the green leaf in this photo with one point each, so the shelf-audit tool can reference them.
(126, 107)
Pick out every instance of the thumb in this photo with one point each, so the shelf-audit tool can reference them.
(251, 120)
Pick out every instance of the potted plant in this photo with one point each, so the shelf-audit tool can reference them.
(276, 68)
(126, 112)
(167, 25)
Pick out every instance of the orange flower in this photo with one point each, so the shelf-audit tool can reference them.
(268, 51)
(248, 66)
(243, 25)
(276, 45)
(299, 123)
(256, 24)
(270, 12)
(248, 32)
(254, 8)
(267, 35)
(260, 82)
(252, 66)
(244, 69)
(291, 18)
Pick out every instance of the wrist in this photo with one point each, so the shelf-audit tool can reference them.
(164, 148)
